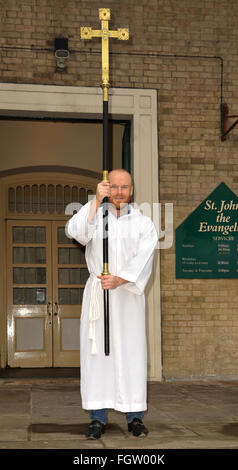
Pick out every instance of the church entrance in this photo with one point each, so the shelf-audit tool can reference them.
(139, 106)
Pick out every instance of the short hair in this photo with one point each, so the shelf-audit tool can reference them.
(122, 170)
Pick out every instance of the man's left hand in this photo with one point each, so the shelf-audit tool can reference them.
(109, 281)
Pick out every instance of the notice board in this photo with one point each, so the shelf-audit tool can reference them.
(207, 241)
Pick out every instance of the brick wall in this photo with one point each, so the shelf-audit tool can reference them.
(178, 48)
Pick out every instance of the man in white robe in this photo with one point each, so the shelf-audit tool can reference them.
(117, 381)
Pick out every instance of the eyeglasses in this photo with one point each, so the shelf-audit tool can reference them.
(125, 187)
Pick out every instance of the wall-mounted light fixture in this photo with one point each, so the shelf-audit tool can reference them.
(61, 52)
(224, 121)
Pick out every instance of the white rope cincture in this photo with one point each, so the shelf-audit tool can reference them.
(94, 312)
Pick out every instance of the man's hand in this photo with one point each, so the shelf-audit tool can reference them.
(109, 281)
(103, 190)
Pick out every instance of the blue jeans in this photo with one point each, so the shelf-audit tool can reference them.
(101, 415)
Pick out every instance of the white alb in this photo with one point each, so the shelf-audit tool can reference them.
(119, 380)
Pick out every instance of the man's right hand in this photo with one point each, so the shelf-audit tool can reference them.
(103, 190)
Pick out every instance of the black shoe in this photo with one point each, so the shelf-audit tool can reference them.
(95, 430)
(137, 428)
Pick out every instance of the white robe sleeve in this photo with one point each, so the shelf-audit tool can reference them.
(78, 226)
(138, 270)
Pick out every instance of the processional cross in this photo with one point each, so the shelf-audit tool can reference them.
(105, 34)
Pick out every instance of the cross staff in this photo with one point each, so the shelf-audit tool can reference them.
(104, 33)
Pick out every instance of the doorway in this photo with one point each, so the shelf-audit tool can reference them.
(136, 105)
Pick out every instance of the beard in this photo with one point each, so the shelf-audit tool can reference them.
(119, 203)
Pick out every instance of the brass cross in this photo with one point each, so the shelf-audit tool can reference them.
(105, 34)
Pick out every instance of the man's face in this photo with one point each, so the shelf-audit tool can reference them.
(121, 188)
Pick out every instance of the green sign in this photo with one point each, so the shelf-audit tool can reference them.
(207, 241)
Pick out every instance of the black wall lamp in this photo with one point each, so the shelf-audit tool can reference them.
(224, 121)
(61, 52)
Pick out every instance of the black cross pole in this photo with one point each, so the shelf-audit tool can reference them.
(104, 33)
(105, 227)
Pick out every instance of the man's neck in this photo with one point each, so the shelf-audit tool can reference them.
(120, 210)
(125, 210)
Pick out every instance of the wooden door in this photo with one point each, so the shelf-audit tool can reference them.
(45, 279)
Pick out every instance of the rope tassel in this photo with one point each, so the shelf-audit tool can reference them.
(94, 313)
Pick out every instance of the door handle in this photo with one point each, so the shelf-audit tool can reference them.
(56, 308)
(49, 309)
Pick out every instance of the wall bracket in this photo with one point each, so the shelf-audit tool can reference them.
(224, 121)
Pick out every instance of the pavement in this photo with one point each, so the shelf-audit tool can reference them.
(46, 413)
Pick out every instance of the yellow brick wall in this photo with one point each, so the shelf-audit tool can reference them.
(178, 48)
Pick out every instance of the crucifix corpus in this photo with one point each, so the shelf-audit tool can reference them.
(105, 34)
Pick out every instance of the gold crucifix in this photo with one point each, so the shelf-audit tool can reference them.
(105, 34)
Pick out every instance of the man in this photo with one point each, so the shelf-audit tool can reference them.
(116, 381)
